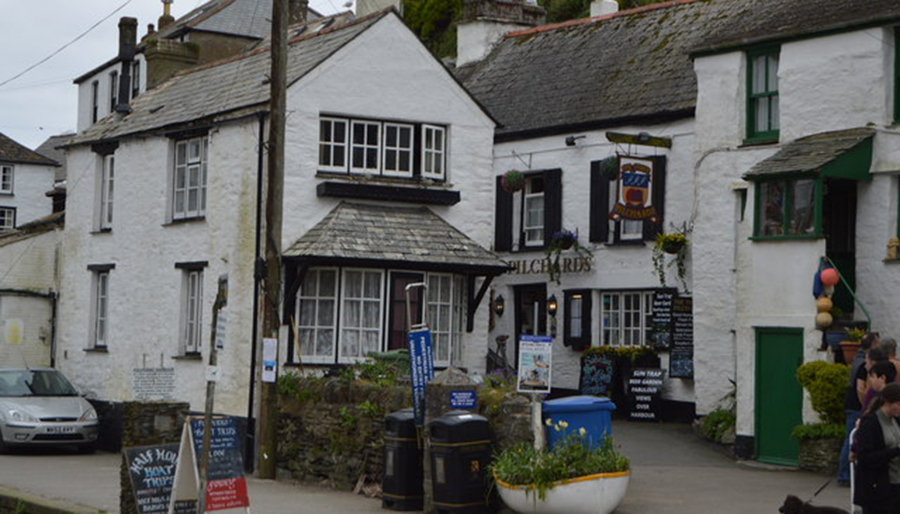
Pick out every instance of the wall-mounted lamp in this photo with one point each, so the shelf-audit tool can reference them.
(643, 137)
(552, 305)
(570, 140)
(499, 305)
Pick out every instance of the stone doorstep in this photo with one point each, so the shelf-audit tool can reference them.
(13, 500)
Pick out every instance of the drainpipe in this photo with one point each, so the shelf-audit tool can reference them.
(250, 443)
(54, 298)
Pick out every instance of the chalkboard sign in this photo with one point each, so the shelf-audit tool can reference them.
(597, 373)
(681, 356)
(662, 319)
(152, 471)
(226, 487)
(644, 388)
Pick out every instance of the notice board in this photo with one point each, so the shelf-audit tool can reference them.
(681, 355)
(662, 320)
(597, 372)
(152, 471)
(644, 391)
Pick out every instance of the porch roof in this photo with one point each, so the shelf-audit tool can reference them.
(837, 154)
(393, 236)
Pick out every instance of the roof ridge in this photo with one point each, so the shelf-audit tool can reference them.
(604, 17)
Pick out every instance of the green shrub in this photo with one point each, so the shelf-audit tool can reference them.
(826, 383)
(818, 431)
(716, 423)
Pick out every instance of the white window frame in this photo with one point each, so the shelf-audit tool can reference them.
(107, 183)
(306, 326)
(365, 147)
(622, 329)
(434, 156)
(7, 218)
(100, 310)
(186, 163)
(397, 150)
(113, 90)
(7, 176)
(191, 310)
(333, 147)
(631, 230)
(530, 238)
(344, 326)
(442, 333)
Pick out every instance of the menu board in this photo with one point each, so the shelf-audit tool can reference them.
(681, 355)
(644, 389)
(662, 318)
(152, 470)
(597, 373)
(225, 486)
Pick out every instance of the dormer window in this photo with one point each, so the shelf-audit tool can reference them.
(383, 148)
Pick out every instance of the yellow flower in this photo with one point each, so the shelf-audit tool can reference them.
(582, 431)
(557, 428)
(563, 424)
(549, 422)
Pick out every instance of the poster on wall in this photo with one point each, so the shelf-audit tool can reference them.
(597, 373)
(661, 321)
(535, 353)
(644, 391)
(634, 198)
(681, 355)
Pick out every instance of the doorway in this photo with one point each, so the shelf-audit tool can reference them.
(397, 317)
(531, 312)
(779, 398)
(839, 228)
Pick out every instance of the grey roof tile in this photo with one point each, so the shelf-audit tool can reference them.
(810, 153)
(412, 235)
(11, 151)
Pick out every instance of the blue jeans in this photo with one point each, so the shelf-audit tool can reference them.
(844, 468)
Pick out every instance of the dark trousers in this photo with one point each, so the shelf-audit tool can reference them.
(891, 508)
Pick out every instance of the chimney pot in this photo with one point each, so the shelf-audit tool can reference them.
(297, 11)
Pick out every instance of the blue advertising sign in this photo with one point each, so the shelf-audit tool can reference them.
(421, 369)
(463, 399)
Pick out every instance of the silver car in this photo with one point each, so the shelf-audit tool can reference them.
(38, 406)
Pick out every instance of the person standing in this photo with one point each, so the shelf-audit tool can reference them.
(853, 402)
(881, 374)
(877, 450)
(889, 345)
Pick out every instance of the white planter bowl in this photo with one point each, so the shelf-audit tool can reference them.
(593, 494)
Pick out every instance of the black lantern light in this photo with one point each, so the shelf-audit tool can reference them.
(552, 305)
(499, 305)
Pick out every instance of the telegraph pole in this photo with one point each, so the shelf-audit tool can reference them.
(268, 412)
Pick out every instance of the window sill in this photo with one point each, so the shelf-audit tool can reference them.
(96, 349)
(7, 193)
(759, 141)
(786, 238)
(102, 231)
(183, 221)
(188, 357)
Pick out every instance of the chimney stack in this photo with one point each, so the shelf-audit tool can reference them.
(127, 43)
(484, 23)
(166, 18)
(297, 11)
(604, 7)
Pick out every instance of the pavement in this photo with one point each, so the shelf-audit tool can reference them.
(673, 472)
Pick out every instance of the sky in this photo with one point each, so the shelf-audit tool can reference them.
(43, 102)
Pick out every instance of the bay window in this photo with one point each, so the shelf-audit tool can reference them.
(625, 318)
(361, 318)
(788, 208)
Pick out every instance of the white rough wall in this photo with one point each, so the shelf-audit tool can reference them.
(103, 100)
(476, 39)
(613, 267)
(31, 182)
(145, 287)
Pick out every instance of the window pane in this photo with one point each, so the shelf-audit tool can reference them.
(370, 315)
(759, 74)
(803, 213)
(771, 198)
(772, 84)
(373, 285)
(354, 284)
(307, 336)
(179, 201)
(340, 132)
(406, 137)
(369, 342)
(326, 313)
(575, 316)
(762, 114)
(350, 343)
(774, 113)
(180, 177)
(352, 313)
(327, 283)
(324, 342)
(307, 312)
(193, 198)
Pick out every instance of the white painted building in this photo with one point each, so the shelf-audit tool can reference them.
(798, 154)
(167, 202)
(25, 179)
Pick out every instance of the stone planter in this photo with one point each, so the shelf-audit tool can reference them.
(593, 494)
(820, 455)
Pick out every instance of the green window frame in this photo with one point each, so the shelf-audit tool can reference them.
(788, 208)
(763, 109)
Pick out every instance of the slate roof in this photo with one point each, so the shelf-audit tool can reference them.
(13, 152)
(249, 18)
(415, 236)
(635, 66)
(811, 153)
(52, 148)
(225, 87)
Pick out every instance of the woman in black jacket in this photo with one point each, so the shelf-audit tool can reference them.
(877, 451)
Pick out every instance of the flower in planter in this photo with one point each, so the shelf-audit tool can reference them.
(512, 181)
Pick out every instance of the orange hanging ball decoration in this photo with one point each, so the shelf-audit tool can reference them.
(829, 277)
(823, 304)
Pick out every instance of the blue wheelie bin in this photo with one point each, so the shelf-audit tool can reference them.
(592, 413)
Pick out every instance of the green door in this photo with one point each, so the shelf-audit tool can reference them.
(779, 397)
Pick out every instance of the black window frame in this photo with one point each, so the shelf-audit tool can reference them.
(583, 341)
(504, 215)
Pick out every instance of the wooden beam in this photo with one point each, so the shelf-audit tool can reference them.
(643, 138)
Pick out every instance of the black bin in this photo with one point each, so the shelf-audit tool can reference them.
(460, 455)
(401, 480)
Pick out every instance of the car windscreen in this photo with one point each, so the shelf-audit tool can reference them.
(22, 382)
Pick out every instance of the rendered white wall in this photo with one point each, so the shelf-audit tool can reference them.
(476, 39)
(31, 182)
(103, 99)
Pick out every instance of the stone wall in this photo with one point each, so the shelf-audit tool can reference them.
(331, 431)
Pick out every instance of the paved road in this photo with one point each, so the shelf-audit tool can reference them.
(673, 473)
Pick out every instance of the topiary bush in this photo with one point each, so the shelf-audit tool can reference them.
(826, 383)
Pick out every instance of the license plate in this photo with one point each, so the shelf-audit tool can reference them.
(60, 430)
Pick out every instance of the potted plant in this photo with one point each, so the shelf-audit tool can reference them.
(573, 478)
(820, 443)
(675, 244)
(512, 181)
(559, 241)
(850, 345)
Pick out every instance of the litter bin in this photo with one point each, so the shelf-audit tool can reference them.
(401, 479)
(592, 413)
(460, 444)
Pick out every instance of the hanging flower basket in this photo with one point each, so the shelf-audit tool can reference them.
(609, 167)
(671, 243)
(512, 181)
(565, 239)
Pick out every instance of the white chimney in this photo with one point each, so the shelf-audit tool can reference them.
(603, 7)
(485, 22)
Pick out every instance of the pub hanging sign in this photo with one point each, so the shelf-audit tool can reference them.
(634, 198)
